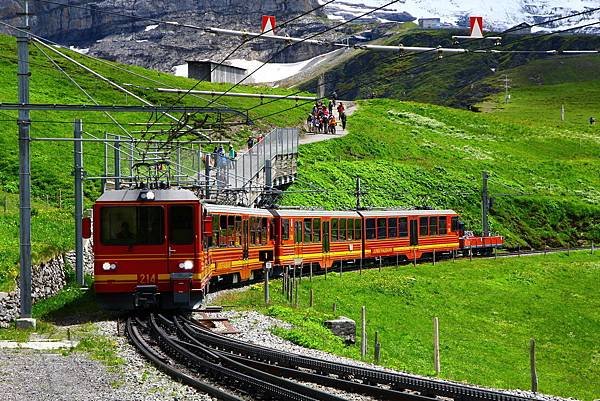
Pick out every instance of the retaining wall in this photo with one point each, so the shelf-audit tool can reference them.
(48, 278)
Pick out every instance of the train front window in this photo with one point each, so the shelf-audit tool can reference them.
(132, 225)
(181, 225)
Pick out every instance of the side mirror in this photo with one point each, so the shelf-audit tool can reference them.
(207, 227)
(86, 227)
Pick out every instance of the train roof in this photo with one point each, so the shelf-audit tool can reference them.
(160, 195)
(213, 208)
(399, 212)
(313, 213)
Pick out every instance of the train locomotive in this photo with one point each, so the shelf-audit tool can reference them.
(163, 248)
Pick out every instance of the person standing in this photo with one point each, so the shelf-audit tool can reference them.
(250, 142)
(341, 109)
(330, 107)
(343, 120)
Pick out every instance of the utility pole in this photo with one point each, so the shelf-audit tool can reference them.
(506, 86)
(78, 173)
(25, 320)
(358, 193)
(485, 205)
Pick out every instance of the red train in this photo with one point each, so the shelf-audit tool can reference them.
(164, 247)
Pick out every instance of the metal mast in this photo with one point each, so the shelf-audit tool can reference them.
(24, 170)
(485, 204)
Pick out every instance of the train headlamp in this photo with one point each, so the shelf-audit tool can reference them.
(146, 194)
(187, 265)
(106, 266)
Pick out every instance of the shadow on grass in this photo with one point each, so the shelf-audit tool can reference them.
(72, 305)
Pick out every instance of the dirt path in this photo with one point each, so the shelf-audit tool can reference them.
(309, 137)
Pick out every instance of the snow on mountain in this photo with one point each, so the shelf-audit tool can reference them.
(497, 15)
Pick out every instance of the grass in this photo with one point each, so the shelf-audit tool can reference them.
(52, 162)
(543, 179)
(488, 311)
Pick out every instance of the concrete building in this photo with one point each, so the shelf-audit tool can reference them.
(429, 23)
(211, 71)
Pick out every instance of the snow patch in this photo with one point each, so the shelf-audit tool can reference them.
(78, 50)
(150, 27)
(180, 70)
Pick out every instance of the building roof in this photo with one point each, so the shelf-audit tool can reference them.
(208, 61)
(160, 195)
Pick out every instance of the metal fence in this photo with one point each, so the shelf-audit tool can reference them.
(240, 172)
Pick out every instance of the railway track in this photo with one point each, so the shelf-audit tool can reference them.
(192, 354)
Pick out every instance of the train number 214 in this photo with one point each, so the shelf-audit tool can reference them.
(147, 278)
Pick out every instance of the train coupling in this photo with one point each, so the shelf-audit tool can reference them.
(146, 296)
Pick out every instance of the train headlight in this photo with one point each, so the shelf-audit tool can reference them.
(187, 265)
(150, 195)
(106, 266)
(146, 194)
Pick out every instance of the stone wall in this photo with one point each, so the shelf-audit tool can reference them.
(47, 279)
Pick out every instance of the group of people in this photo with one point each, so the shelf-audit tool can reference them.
(220, 158)
(322, 118)
(253, 141)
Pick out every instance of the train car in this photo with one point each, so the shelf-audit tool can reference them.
(234, 238)
(410, 234)
(475, 245)
(147, 249)
(316, 236)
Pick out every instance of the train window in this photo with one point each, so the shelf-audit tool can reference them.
(317, 230)
(350, 229)
(423, 227)
(181, 225)
(285, 229)
(263, 224)
(334, 229)
(454, 224)
(307, 230)
(342, 229)
(370, 229)
(381, 228)
(298, 232)
(132, 225)
(392, 227)
(443, 225)
(215, 226)
(357, 229)
(433, 226)
(253, 224)
(238, 231)
(222, 231)
(403, 227)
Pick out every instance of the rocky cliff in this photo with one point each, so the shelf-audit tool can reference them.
(101, 28)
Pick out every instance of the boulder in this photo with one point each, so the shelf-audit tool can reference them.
(344, 328)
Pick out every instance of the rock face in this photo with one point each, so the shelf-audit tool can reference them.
(98, 27)
(343, 327)
(47, 279)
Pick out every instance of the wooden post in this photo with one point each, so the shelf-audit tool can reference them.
(592, 250)
(334, 307)
(296, 293)
(360, 266)
(436, 346)
(534, 378)
(470, 254)
(377, 348)
(363, 342)
(380, 262)
(312, 298)
(454, 255)
(341, 267)
(434, 257)
(267, 295)
(325, 272)
(311, 271)
(397, 258)
(519, 251)
(495, 253)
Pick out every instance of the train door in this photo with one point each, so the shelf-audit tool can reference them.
(414, 232)
(326, 242)
(181, 239)
(298, 237)
(245, 238)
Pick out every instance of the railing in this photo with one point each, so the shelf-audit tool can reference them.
(239, 173)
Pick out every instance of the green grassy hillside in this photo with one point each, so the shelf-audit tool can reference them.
(488, 311)
(545, 180)
(51, 163)
(454, 80)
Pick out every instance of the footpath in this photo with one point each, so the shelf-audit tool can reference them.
(310, 137)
